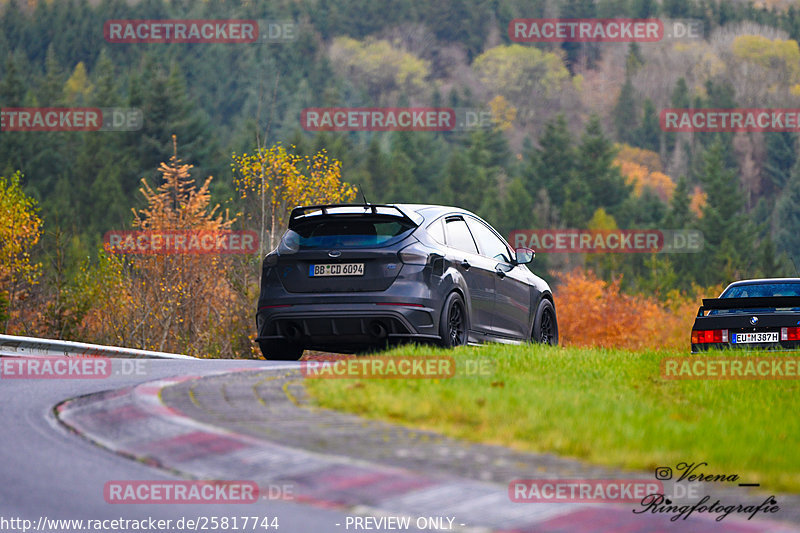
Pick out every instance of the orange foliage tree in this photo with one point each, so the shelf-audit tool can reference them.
(642, 169)
(593, 312)
(185, 303)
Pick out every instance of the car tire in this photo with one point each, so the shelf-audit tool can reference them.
(454, 322)
(281, 350)
(545, 325)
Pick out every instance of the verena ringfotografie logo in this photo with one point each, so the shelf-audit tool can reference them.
(730, 368)
(378, 119)
(198, 31)
(70, 119)
(730, 120)
(387, 367)
(608, 241)
(167, 242)
(167, 492)
(582, 490)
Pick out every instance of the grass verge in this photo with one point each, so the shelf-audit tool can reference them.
(604, 406)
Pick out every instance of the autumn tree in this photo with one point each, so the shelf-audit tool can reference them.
(584, 300)
(20, 230)
(176, 302)
(524, 75)
(379, 66)
(273, 181)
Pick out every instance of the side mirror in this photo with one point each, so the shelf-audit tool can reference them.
(524, 256)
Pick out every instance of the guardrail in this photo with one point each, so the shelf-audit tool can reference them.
(14, 346)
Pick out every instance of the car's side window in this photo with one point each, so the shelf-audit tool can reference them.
(458, 235)
(436, 231)
(489, 244)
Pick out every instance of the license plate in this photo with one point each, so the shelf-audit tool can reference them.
(338, 269)
(747, 338)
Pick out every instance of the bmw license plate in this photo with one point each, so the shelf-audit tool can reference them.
(748, 338)
(338, 269)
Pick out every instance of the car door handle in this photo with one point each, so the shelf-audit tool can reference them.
(465, 264)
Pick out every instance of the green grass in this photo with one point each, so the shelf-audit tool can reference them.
(608, 407)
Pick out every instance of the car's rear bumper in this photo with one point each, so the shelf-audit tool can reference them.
(783, 346)
(348, 326)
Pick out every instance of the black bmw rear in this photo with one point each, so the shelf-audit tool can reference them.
(752, 314)
(349, 277)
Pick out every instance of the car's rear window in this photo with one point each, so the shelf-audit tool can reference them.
(351, 232)
(757, 290)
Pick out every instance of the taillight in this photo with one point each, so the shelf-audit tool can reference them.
(270, 260)
(709, 335)
(416, 254)
(790, 334)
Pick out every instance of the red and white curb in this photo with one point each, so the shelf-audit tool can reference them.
(135, 423)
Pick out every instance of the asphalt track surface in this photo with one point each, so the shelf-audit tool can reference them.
(241, 420)
(47, 471)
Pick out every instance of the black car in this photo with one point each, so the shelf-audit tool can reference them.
(750, 314)
(350, 277)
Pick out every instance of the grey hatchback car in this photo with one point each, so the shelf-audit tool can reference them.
(352, 277)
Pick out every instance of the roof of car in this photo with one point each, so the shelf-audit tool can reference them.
(430, 211)
(426, 211)
(760, 281)
(764, 280)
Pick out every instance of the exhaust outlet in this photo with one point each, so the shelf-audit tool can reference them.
(293, 332)
(377, 330)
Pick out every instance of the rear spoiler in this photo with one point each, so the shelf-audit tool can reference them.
(302, 213)
(748, 303)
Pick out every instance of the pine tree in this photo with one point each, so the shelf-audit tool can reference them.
(634, 59)
(680, 216)
(648, 134)
(552, 166)
(787, 217)
(723, 224)
(624, 114)
(781, 159)
(678, 100)
(518, 209)
(595, 167)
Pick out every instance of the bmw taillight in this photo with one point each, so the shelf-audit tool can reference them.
(704, 336)
(790, 334)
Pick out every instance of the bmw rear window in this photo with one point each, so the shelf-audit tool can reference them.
(759, 290)
(755, 290)
(352, 232)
